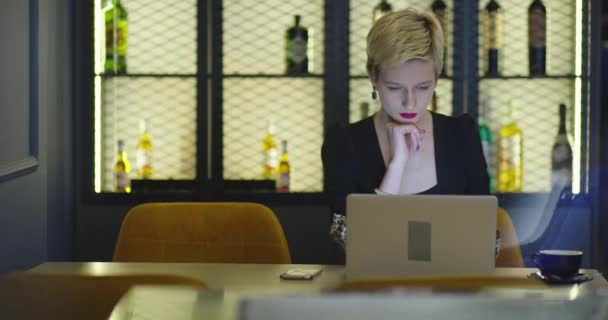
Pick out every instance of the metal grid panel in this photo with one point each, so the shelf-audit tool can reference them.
(295, 105)
(537, 114)
(560, 37)
(360, 91)
(169, 107)
(361, 22)
(254, 34)
(537, 98)
(161, 40)
(162, 36)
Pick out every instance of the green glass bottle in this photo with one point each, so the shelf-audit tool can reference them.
(492, 24)
(381, 9)
(537, 37)
(296, 48)
(116, 38)
(561, 156)
(440, 10)
(486, 138)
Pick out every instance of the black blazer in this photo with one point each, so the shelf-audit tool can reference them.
(353, 163)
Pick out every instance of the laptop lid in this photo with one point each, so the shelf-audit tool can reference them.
(420, 235)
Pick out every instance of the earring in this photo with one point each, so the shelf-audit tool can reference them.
(374, 94)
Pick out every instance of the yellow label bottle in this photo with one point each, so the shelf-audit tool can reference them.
(510, 155)
(144, 153)
(270, 154)
(122, 167)
(284, 170)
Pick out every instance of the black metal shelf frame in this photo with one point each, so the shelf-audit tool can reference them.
(511, 77)
(364, 76)
(209, 145)
(146, 75)
(284, 76)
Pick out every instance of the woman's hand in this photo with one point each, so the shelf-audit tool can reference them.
(404, 139)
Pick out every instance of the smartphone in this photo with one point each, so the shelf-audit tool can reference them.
(300, 274)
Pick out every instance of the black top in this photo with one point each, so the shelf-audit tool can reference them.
(353, 163)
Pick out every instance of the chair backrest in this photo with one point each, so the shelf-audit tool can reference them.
(28, 295)
(510, 252)
(201, 232)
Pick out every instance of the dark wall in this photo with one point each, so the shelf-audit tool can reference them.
(55, 71)
(22, 198)
(602, 219)
(35, 214)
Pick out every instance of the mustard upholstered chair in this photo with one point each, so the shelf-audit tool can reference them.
(28, 295)
(201, 232)
(510, 252)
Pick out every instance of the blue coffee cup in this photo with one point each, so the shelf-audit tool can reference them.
(561, 263)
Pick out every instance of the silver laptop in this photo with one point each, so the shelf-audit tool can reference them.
(419, 235)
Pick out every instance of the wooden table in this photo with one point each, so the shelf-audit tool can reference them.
(222, 276)
(215, 275)
(230, 284)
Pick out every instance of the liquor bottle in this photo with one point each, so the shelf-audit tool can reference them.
(364, 109)
(561, 157)
(296, 42)
(144, 152)
(122, 167)
(284, 170)
(270, 154)
(492, 21)
(486, 138)
(510, 155)
(537, 37)
(381, 9)
(440, 11)
(116, 38)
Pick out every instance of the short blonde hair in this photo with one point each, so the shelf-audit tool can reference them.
(402, 36)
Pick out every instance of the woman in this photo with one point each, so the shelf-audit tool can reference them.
(403, 148)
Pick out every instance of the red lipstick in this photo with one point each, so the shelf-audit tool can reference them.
(406, 115)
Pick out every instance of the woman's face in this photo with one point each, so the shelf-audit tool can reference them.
(406, 90)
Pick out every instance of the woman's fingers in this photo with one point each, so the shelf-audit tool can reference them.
(399, 145)
(403, 139)
(410, 133)
(415, 140)
(415, 135)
